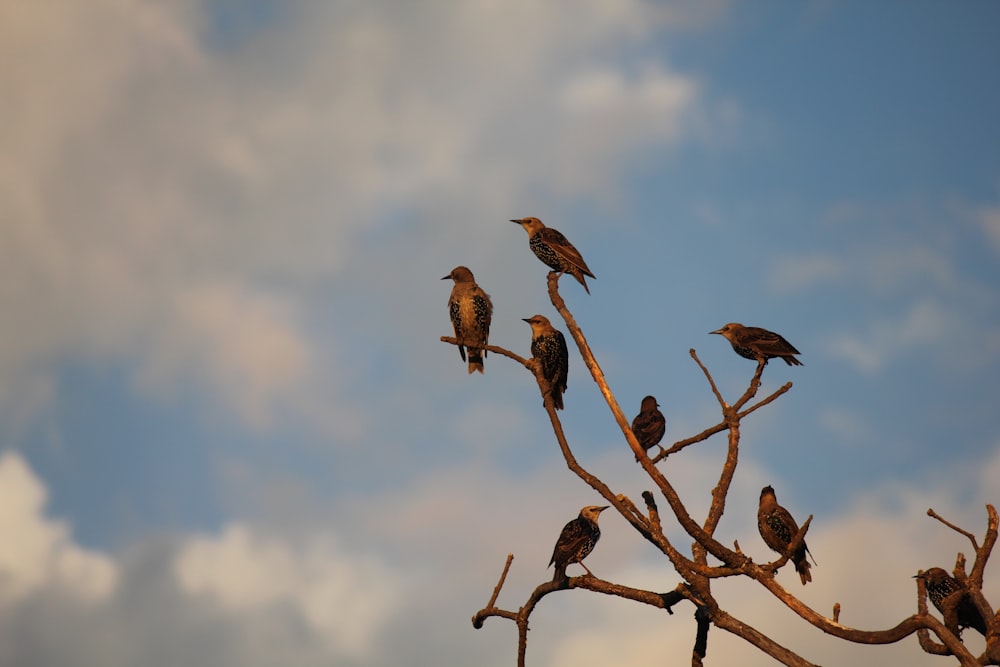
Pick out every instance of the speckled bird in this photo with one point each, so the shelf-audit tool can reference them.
(576, 541)
(649, 425)
(555, 250)
(548, 347)
(778, 528)
(940, 585)
(471, 311)
(758, 344)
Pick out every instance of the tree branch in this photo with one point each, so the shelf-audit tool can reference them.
(492, 348)
(972, 538)
(696, 572)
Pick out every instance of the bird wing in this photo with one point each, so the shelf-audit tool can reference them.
(484, 314)
(455, 311)
(561, 244)
(777, 527)
(573, 538)
(768, 342)
(649, 428)
(564, 360)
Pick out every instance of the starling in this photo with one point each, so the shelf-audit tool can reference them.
(548, 347)
(576, 540)
(941, 585)
(758, 344)
(777, 527)
(649, 425)
(471, 311)
(555, 250)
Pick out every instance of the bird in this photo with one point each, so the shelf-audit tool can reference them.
(941, 585)
(576, 541)
(471, 311)
(548, 348)
(758, 344)
(649, 425)
(778, 528)
(555, 250)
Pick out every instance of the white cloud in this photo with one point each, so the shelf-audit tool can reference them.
(921, 326)
(168, 199)
(609, 114)
(262, 598)
(990, 220)
(342, 599)
(246, 346)
(801, 272)
(848, 426)
(39, 553)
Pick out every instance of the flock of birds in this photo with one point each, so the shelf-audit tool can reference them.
(471, 312)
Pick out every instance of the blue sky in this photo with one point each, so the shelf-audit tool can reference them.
(230, 434)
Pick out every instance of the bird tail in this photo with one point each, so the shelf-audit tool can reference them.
(792, 361)
(580, 279)
(475, 361)
(557, 401)
(802, 566)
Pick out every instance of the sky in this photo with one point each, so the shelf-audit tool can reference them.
(230, 433)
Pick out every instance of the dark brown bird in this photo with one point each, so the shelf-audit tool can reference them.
(576, 541)
(941, 585)
(548, 347)
(649, 425)
(471, 312)
(758, 344)
(777, 527)
(555, 250)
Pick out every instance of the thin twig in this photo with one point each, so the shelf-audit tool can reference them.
(492, 348)
(503, 577)
(972, 538)
(708, 376)
(721, 426)
(654, 512)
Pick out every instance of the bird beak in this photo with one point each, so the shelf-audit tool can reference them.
(603, 508)
(717, 332)
(516, 221)
(446, 277)
(526, 319)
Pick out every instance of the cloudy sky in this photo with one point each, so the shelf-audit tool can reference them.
(230, 435)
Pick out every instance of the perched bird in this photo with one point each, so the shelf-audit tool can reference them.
(471, 311)
(576, 540)
(555, 250)
(649, 425)
(548, 347)
(758, 344)
(777, 527)
(941, 585)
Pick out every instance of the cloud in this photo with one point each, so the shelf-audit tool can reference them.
(990, 220)
(245, 346)
(802, 272)
(251, 595)
(846, 425)
(244, 596)
(175, 199)
(925, 324)
(39, 552)
(342, 600)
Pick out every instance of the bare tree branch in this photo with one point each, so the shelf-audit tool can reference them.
(972, 538)
(492, 348)
(696, 572)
